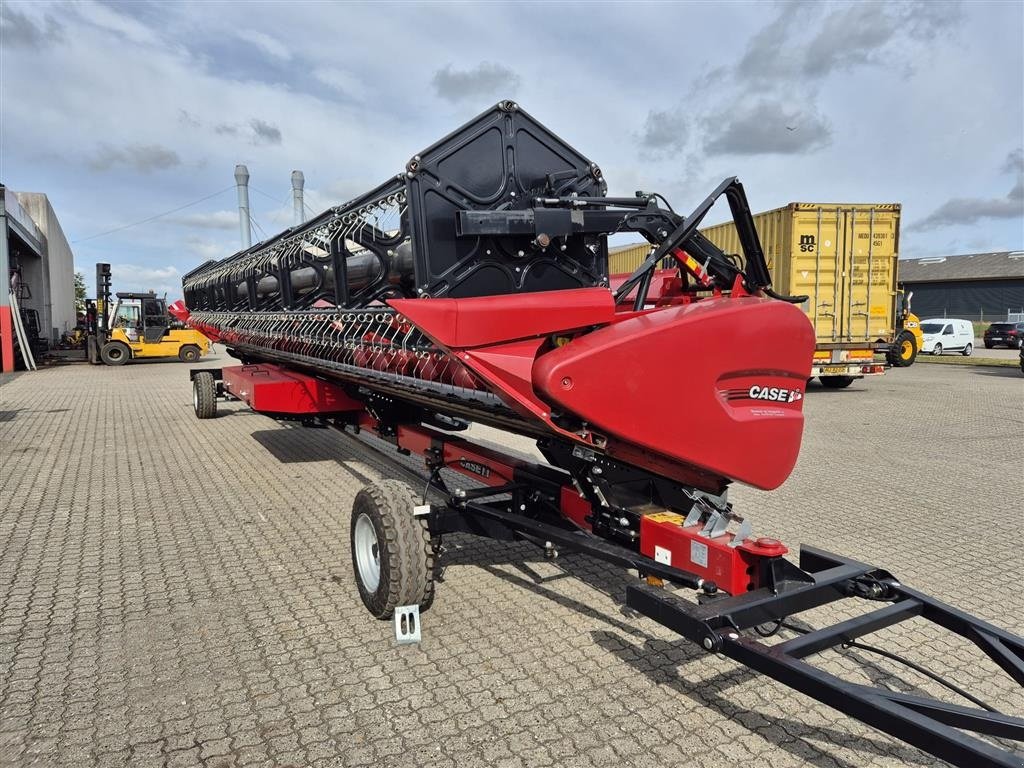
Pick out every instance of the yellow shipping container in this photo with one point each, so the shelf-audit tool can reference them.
(842, 256)
(624, 259)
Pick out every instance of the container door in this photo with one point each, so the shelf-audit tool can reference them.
(868, 274)
(816, 269)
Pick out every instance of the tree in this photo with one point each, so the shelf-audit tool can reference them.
(79, 292)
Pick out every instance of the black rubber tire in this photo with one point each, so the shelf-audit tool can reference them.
(989, 345)
(204, 395)
(115, 353)
(904, 350)
(967, 350)
(404, 549)
(189, 353)
(937, 349)
(836, 382)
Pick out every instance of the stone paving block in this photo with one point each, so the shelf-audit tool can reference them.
(179, 593)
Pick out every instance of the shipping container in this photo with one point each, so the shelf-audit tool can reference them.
(841, 256)
(624, 259)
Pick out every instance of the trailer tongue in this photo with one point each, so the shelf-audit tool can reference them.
(473, 287)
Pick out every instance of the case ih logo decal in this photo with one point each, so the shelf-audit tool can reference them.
(775, 394)
(770, 394)
(475, 467)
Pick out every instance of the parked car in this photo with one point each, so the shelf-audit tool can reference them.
(1009, 334)
(1022, 358)
(944, 334)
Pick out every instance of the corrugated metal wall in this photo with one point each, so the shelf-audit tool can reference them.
(980, 300)
(624, 260)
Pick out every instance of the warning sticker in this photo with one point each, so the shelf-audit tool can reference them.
(663, 556)
(665, 517)
(699, 554)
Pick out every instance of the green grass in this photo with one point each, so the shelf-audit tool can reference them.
(961, 360)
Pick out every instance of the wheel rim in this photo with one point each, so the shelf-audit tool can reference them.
(968, 349)
(938, 349)
(367, 553)
(906, 350)
(114, 353)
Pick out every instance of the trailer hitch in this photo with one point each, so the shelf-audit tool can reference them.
(930, 724)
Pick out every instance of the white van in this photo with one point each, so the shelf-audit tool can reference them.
(944, 334)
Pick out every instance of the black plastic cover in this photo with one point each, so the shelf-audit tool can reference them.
(500, 160)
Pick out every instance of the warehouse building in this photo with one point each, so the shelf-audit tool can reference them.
(983, 287)
(37, 266)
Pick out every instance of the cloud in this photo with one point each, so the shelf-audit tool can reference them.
(485, 79)
(141, 157)
(140, 278)
(187, 119)
(264, 133)
(259, 132)
(768, 55)
(797, 47)
(20, 31)
(211, 220)
(269, 45)
(926, 20)
(864, 29)
(664, 131)
(340, 80)
(123, 26)
(971, 210)
(767, 127)
(206, 249)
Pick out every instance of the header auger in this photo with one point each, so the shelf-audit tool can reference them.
(473, 287)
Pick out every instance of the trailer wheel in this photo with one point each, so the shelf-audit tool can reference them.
(115, 353)
(836, 382)
(188, 353)
(904, 350)
(392, 555)
(204, 395)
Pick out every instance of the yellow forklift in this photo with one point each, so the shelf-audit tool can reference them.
(909, 337)
(139, 327)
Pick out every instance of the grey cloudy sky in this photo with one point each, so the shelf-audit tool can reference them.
(119, 111)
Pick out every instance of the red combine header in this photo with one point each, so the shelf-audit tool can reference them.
(473, 288)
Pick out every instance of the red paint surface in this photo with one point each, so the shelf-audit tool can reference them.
(734, 569)
(6, 339)
(271, 389)
(671, 381)
(464, 323)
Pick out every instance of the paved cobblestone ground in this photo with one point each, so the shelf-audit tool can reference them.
(179, 593)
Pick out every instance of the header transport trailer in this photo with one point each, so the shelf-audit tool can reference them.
(473, 287)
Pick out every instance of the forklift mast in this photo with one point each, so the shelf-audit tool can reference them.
(103, 301)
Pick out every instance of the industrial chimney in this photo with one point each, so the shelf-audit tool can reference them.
(298, 182)
(242, 180)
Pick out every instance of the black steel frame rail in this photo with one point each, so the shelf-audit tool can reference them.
(930, 724)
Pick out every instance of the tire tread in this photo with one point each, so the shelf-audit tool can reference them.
(206, 395)
(408, 568)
